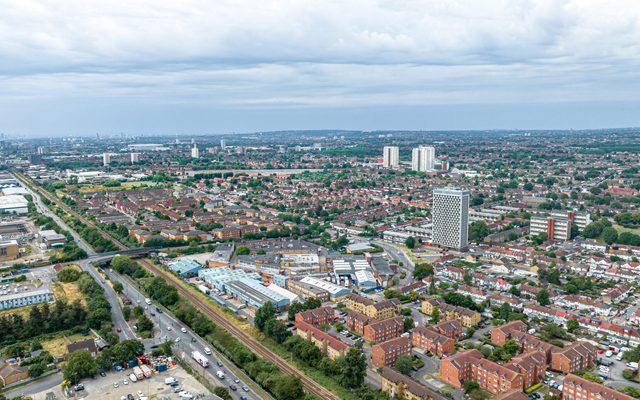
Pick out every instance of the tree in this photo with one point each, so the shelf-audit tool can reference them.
(403, 364)
(609, 235)
(288, 387)
(68, 274)
(264, 314)
(435, 315)
(352, 368)
(243, 251)
(410, 242)
(408, 324)
(469, 386)
(144, 324)
(467, 278)
(572, 325)
(543, 297)
(478, 230)
(117, 287)
(222, 392)
(79, 364)
(422, 270)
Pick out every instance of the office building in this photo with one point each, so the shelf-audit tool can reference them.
(135, 157)
(391, 157)
(223, 144)
(451, 217)
(423, 158)
(106, 159)
(195, 152)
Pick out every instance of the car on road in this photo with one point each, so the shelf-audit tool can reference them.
(130, 397)
(152, 314)
(244, 398)
(183, 330)
(236, 380)
(218, 363)
(233, 387)
(177, 340)
(169, 328)
(158, 310)
(245, 388)
(207, 351)
(115, 385)
(118, 329)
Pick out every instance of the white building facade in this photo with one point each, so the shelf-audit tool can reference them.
(391, 157)
(451, 217)
(423, 158)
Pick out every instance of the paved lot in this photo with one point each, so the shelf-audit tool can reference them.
(102, 388)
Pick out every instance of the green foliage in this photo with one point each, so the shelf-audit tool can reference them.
(609, 235)
(403, 364)
(435, 315)
(573, 325)
(243, 251)
(422, 271)
(628, 219)
(478, 230)
(628, 374)
(470, 386)
(410, 242)
(631, 391)
(79, 364)
(222, 392)
(461, 300)
(543, 297)
(68, 274)
(297, 307)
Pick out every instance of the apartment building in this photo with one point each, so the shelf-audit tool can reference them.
(391, 157)
(422, 158)
(317, 316)
(556, 228)
(469, 365)
(580, 355)
(386, 353)
(531, 365)
(378, 310)
(500, 334)
(356, 321)
(381, 331)
(400, 386)
(450, 328)
(467, 317)
(430, 340)
(451, 217)
(329, 345)
(576, 388)
(516, 331)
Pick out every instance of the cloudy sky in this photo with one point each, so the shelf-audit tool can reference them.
(156, 66)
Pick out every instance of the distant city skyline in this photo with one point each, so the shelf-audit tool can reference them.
(222, 67)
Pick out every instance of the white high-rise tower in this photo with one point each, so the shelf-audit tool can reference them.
(423, 158)
(195, 152)
(106, 159)
(451, 217)
(391, 157)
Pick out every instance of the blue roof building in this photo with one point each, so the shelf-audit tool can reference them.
(185, 267)
(254, 294)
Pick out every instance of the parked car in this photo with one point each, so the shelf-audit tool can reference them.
(78, 387)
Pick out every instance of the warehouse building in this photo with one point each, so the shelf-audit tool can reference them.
(185, 267)
(254, 294)
(13, 204)
(218, 277)
(336, 292)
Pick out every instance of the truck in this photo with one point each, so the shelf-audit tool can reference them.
(146, 370)
(204, 289)
(220, 375)
(200, 359)
(138, 373)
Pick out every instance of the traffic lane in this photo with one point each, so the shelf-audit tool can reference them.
(171, 329)
(47, 383)
(112, 297)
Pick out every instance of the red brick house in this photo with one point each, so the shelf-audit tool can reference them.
(386, 353)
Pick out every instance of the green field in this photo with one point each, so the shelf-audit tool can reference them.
(621, 229)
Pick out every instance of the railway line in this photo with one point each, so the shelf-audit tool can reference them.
(309, 384)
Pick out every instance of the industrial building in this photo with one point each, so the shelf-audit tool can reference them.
(219, 277)
(185, 267)
(51, 238)
(9, 250)
(14, 204)
(336, 292)
(284, 292)
(254, 294)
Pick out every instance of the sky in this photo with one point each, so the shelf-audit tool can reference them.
(77, 67)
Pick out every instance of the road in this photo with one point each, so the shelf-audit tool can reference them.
(37, 386)
(169, 329)
(42, 209)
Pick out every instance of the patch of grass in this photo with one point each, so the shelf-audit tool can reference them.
(67, 291)
(57, 345)
(22, 311)
(621, 229)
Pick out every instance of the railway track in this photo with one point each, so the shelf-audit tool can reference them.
(309, 384)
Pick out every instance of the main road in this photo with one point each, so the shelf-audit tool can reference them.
(205, 307)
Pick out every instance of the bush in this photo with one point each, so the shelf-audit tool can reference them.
(533, 388)
(68, 274)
